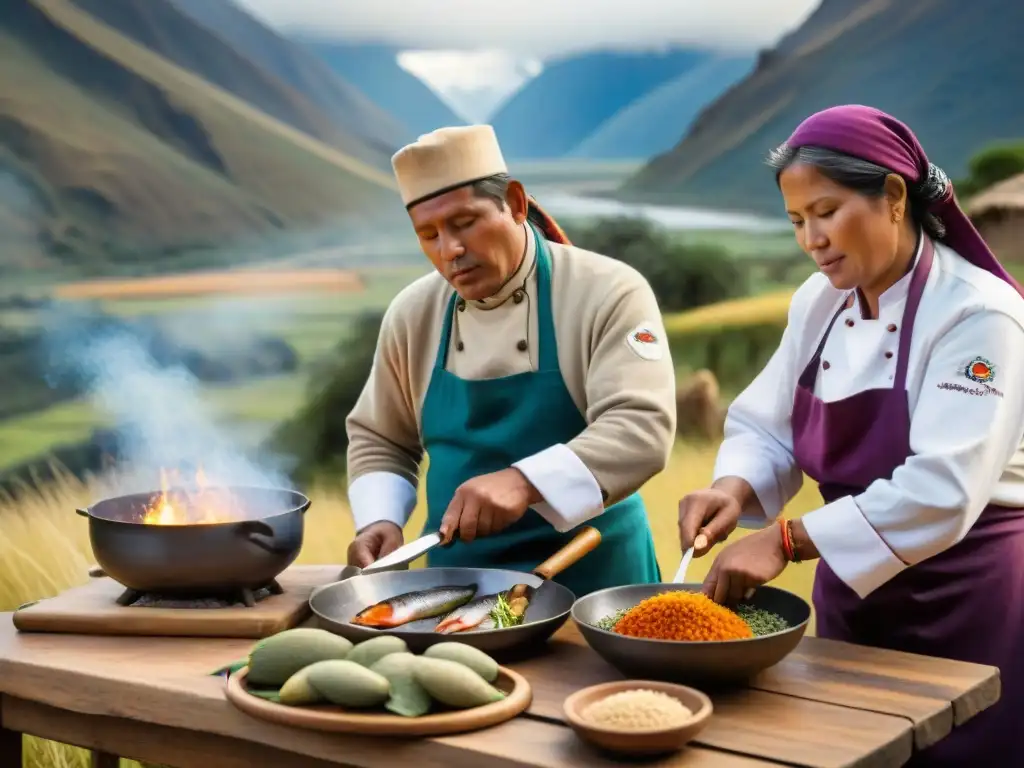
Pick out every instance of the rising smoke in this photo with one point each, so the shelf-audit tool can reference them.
(161, 419)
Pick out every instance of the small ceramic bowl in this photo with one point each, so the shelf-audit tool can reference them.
(630, 742)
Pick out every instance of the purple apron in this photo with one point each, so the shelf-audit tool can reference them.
(966, 603)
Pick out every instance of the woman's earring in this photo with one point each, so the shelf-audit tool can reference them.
(896, 216)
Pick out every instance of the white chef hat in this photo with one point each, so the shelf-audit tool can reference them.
(446, 159)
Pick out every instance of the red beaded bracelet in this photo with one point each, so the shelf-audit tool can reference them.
(786, 528)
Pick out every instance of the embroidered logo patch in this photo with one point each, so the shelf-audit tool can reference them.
(645, 342)
(980, 370)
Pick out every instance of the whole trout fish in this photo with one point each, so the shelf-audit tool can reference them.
(412, 606)
(482, 613)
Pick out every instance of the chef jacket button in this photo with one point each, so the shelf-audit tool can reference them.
(521, 345)
(461, 305)
(825, 364)
(459, 346)
(849, 322)
(517, 297)
(891, 328)
(888, 355)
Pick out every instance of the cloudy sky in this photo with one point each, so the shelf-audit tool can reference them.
(478, 50)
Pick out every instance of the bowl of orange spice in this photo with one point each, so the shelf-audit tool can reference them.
(674, 633)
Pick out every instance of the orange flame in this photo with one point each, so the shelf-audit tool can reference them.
(177, 505)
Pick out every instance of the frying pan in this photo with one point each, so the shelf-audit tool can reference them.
(704, 662)
(334, 605)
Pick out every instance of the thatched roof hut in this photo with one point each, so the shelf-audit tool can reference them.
(998, 214)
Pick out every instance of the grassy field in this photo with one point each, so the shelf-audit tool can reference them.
(767, 307)
(311, 321)
(232, 282)
(44, 547)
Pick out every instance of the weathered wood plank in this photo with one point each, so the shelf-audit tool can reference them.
(523, 744)
(145, 742)
(934, 694)
(867, 706)
(92, 609)
(776, 727)
(827, 670)
(164, 682)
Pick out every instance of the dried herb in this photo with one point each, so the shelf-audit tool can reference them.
(760, 621)
(608, 622)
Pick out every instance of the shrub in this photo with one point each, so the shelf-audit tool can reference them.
(682, 275)
(315, 438)
(991, 165)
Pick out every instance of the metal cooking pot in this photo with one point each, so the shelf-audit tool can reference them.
(198, 558)
(699, 662)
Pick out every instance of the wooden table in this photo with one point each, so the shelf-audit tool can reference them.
(153, 699)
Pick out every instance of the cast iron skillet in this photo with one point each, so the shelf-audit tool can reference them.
(334, 605)
(198, 558)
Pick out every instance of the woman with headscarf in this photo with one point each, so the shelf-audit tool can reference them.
(898, 386)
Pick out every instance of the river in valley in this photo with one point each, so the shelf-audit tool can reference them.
(559, 202)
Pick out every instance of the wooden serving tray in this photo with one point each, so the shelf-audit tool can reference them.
(321, 717)
(91, 610)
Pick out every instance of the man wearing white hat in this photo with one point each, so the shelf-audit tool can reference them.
(535, 376)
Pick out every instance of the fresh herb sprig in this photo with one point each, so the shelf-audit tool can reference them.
(503, 616)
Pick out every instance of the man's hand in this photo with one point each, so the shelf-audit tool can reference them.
(488, 504)
(374, 542)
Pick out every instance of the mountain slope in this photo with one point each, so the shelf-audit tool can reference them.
(650, 125)
(300, 68)
(374, 70)
(163, 28)
(115, 155)
(953, 71)
(571, 97)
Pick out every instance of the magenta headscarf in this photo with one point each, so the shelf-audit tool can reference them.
(872, 135)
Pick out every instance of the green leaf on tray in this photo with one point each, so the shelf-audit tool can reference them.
(230, 668)
(270, 694)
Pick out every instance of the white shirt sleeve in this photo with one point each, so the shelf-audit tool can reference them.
(962, 436)
(758, 444)
(381, 496)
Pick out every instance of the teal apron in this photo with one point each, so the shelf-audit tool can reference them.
(472, 428)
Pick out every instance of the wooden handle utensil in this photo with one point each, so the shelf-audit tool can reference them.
(582, 544)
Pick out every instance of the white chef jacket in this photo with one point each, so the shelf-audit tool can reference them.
(966, 437)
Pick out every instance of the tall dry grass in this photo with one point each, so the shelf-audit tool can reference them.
(44, 546)
(749, 310)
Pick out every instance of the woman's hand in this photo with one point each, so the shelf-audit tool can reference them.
(705, 518)
(745, 565)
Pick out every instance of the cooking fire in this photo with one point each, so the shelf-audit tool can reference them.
(203, 504)
(197, 539)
